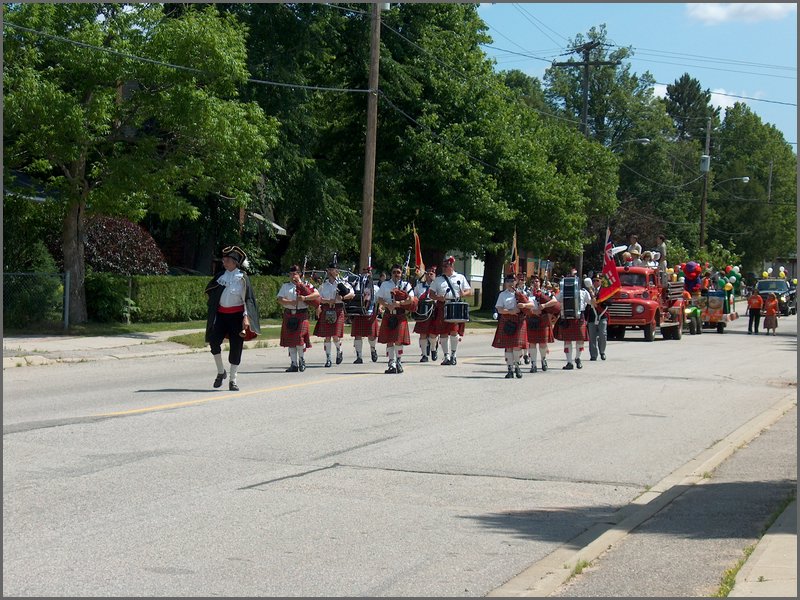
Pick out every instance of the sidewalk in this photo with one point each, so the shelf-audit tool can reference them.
(770, 571)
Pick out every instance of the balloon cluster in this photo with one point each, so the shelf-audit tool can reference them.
(734, 278)
(768, 273)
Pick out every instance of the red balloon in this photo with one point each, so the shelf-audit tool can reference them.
(728, 269)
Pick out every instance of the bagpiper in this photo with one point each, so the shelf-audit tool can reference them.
(296, 296)
(397, 297)
(511, 334)
(366, 326)
(333, 293)
(428, 341)
(539, 323)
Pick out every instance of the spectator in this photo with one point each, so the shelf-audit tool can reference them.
(634, 244)
(771, 313)
(754, 305)
(636, 261)
(661, 248)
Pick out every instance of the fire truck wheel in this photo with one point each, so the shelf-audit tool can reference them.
(720, 327)
(678, 334)
(649, 332)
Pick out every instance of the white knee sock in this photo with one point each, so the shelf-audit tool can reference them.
(293, 355)
(359, 344)
(301, 352)
(568, 352)
(327, 346)
(532, 351)
(423, 345)
(220, 365)
(454, 343)
(372, 342)
(338, 344)
(517, 354)
(543, 350)
(446, 345)
(392, 354)
(234, 370)
(510, 358)
(578, 350)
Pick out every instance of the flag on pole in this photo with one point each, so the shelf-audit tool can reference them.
(418, 252)
(609, 280)
(514, 254)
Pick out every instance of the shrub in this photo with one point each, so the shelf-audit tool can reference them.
(106, 296)
(117, 245)
(32, 298)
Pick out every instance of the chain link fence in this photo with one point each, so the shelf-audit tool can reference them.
(34, 298)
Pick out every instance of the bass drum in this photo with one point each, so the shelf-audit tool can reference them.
(424, 310)
(359, 305)
(456, 312)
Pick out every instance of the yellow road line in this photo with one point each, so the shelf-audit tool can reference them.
(158, 407)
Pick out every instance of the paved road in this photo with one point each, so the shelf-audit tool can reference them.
(134, 477)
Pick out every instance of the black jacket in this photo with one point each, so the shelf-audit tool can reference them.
(214, 292)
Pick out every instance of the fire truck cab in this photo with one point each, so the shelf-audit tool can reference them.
(646, 302)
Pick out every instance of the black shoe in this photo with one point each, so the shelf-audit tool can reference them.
(328, 362)
(544, 364)
(358, 361)
(232, 386)
(339, 357)
(533, 368)
(517, 372)
(391, 369)
(292, 369)
(399, 368)
(567, 367)
(453, 360)
(374, 355)
(424, 359)
(302, 366)
(593, 358)
(446, 361)
(510, 374)
(578, 363)
(527, 359)
(602, 357)
(749, 333)
(220, 377)
(434, 355)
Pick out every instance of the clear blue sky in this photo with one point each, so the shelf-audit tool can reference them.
(736, 49)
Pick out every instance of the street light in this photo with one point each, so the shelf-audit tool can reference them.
(643, 141)
(744, 179)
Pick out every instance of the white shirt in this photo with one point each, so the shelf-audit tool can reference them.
(584, 298)
(235, 289)
(288, 291)
(385, 291)
(458, 281)
(328, 291)
(506, 299)
(421, 288)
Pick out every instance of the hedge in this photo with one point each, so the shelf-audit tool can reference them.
(160, 298)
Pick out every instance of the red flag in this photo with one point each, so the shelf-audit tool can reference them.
(418, 252)
(609, 280)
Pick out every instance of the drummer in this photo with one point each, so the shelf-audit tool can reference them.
(366, 326)
(448, 286)
(428, 342)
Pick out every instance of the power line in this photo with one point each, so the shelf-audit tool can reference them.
(664, 62)
(530, 19)
(737, 96)
(697, 57)
(180, 67)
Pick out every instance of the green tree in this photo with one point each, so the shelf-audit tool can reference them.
(121, 136)
(690, 108)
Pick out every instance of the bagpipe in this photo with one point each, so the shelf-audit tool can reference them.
(303, 288)
(399, 293)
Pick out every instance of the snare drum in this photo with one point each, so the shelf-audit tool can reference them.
(424, 310)
(456, 312)
(358, 306)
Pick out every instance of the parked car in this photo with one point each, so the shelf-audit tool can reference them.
(787, 295)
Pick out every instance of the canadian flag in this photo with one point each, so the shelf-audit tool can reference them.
(609, 280)
(418, 252)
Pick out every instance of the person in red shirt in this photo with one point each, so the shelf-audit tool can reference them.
(771, 313)
(754, 305)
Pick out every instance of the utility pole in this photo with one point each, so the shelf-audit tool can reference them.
(704, 198)
(585, 49)
(372, 129)
(769, 184)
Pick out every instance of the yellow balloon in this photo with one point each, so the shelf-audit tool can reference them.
(670, 271)
(728, 287)
(781, 274)
(764, 274)
(673, 277)
(794, 281)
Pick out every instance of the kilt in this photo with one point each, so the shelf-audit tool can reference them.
(335, 329)
(424, 327)
(364, 326)
(438, 325)
(298, 337)
(540, 329)
(517, 339)
(571, 330)
(398, 335)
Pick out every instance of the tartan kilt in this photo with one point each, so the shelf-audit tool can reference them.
(540, 329)
(439, 326)
(325, 329)
(398, 335)
(364, 325)
(425, 327)
(300, 336)
(518, 339)
(571, 330)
